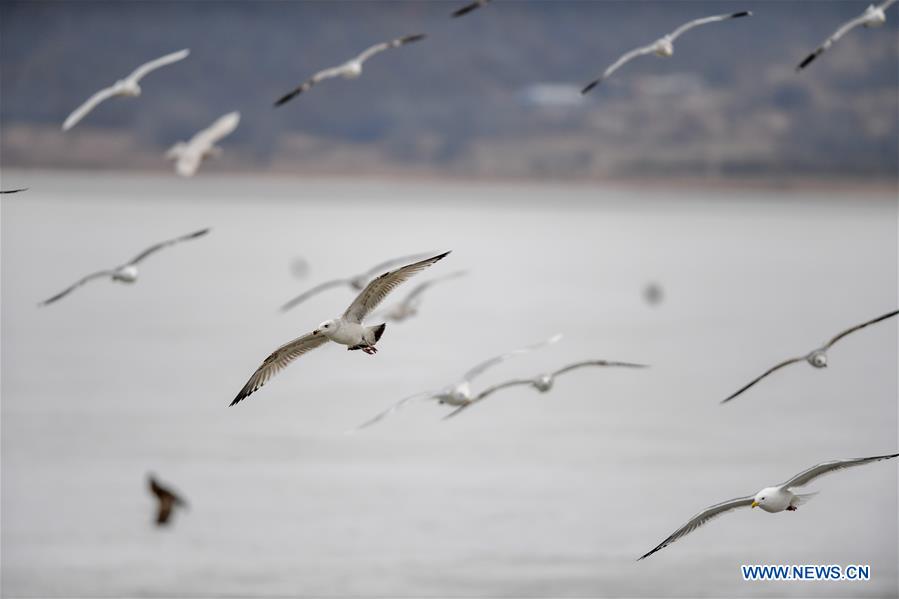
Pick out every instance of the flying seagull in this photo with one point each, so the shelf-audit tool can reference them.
(873, 16)
(542, 383)
(661, 47)
(356, 282)
(410, 304)
(458, 393)
(188, 155)
(14, 190)
(123, 87)
(126, 273)
(770, 499)
(470, 7)
(817, 357)
(347, 329)
(168, 500)
(350, 69)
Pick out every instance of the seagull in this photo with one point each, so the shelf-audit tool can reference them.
(542, 383)
(14, 190)
(347, 329)
(873, 16)
(350, 69)
(459, 392)
(168, 500)
(123, 87)
(126, 273)
(817, 357)
(470, 7)
(663, 46)
(356, 282)
(409, 306)
(770, 499)
(188, 155)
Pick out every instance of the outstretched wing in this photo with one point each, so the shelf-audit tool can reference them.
(421, 287)
(860, 326)
(309, 293)
(155, 248)
(277, 360)
(488, 391)
(807, 476)
(222, 127)
(148, 67)
(377, 48)
(379, 268)
(705, 21)
(378, 288)
(597, 363)
(304, 86)
(91, 103)
(392, 409)
(760, 377)
(14, 190)
(700, 519)
(68, 290)
(843, 30)
(617, 64)
(469, 7)
(480, 368)
(886, 4)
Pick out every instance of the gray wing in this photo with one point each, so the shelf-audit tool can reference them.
(617, 64)
(760, 377)
(277, 360)
(807, 476)
(700, 519)
(705, 21)
(379, 268)
(488, 391)
(378, 288)
(843, 30)
(89, 104)
(155, 248)
(597, 363)
(146, 68)
(480, 368)
(421, 287)
(14, 190)
(309, 293)
(377, 48)
(68, 290)
(886, 4)
(860, 326)
(392, 409)
(303, 87)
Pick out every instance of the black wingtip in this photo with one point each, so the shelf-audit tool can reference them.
(745, 13)
(412, 38)
(287, 97)
(807, 61)
(589, 86)
(465, 10)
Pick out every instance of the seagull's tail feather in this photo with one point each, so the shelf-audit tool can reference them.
(378, 330)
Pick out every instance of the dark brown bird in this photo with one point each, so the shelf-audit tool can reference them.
(168, 501)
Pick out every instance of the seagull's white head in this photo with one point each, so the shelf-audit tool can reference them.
(543, 383)
(818, 359)
(327, 328)
(772, 499)
(664, 47)
(125, 274)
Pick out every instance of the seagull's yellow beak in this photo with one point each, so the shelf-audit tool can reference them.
(755, 504)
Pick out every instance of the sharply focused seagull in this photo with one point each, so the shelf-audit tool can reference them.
(410, 304)
(347, 329)
(126, 273)
(542, 383)
(663, 46)
(168, 500)
(188, 155)
(470, 7)
(356, 282)
(458, 393)
(350, 69)
(874, 16)
(771, 499)
(816, 357)
(14, 190)
(124, 87)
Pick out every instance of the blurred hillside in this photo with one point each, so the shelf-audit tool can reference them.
(491, 94)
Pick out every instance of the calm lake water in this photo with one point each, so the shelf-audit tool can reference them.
(524, 495)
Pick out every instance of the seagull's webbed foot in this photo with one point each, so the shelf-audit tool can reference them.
(370, 349)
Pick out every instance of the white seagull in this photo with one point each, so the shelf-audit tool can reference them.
(347, 329)
(663, 46)
(350, 69)
(411, 303)
(124, 87)
(126, 273)
(816, 357)
(470, 7)
(188, 155)
(542, 382)
(356, 282)
(770, 499)
(458, 393)
(874, 16)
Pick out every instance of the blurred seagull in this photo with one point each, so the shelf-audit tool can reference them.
(470, 7)
(817, 357)
(541, 383)
(124, 87)
(167, 499)
(350, 69)
(873, 16)
(347, 329)
(14, 190)
(188, 155)
(663, 46)
(459, 392)
(410, 304)
(356, 282)
(770, 499)
(126, 273)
